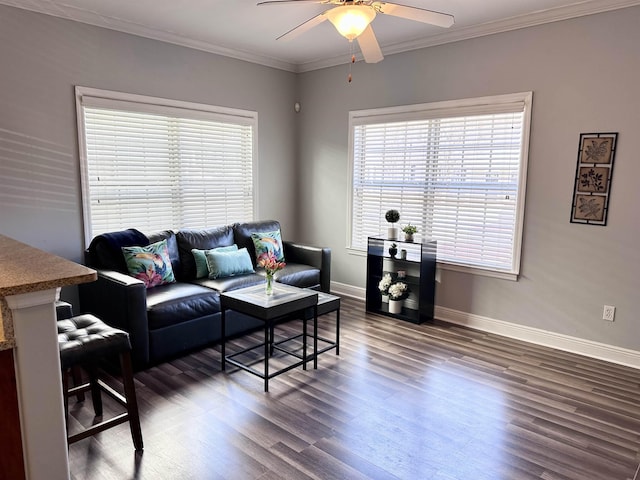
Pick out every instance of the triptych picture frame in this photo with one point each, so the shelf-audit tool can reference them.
(592, 186)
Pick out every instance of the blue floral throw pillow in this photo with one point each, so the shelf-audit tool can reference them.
(268, 242)
(151, 264)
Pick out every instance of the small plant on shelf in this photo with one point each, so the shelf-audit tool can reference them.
(392, 216)
(409, 231)
(393, 250)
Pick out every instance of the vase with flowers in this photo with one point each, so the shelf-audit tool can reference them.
(398, 291)
(271, 265)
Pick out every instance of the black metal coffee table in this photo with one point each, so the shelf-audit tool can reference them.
(327, 303)
(253, 301)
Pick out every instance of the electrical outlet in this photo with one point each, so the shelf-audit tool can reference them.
(608, 313)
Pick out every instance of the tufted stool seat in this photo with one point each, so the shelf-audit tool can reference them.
(84, 341)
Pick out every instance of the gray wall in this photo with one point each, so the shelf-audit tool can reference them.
(42, 58)
(585, 75)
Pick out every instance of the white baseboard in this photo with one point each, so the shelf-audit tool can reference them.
(588, 348)
(346, 290)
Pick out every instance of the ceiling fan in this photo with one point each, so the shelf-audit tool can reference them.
(352, 19)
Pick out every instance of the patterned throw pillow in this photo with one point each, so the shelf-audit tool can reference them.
(199, 256)
(151, 264)
(228, 264)
(268, 242)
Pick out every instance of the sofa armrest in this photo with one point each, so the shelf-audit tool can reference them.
(120, 301)
(317, 257)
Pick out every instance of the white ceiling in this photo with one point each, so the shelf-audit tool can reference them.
(241, 29)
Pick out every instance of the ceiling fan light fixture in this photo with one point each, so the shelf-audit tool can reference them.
(351, 20)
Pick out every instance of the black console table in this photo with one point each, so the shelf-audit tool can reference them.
(420, 267)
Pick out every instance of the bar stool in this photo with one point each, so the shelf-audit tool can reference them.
(85, 340)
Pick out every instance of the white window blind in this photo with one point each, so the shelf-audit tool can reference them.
(154, 166)
(454, 170)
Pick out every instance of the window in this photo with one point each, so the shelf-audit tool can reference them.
(456, 170)
(155, 164)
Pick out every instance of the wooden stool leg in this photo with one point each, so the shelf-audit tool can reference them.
(96, 395)
(132, 402)
(76, 375)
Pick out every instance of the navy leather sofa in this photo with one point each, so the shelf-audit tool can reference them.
(168, 320)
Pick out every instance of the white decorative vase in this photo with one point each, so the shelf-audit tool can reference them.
(395, 306)
(392, 233)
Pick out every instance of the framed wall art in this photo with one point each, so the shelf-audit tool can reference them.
(592, 185)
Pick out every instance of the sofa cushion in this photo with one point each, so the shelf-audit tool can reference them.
(200, 257)
(179, 302)
(231, 283)
(151, 263)
(201, 239)
(298, 275)
(265, 242)
(242, 234)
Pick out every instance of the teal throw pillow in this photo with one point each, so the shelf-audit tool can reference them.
(202, 270)
(151, 264)
(268, 242)
(228, 264)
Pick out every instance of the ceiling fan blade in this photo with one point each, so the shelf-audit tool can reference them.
(369, 46)
(414, 13)
(274, 2)
(303, 27)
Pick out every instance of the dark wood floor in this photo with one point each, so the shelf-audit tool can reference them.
(402, 401)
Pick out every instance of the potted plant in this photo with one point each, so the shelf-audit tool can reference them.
(409, 230)
(393, 250)
(384, 285)
(392, 216)
(398, 291)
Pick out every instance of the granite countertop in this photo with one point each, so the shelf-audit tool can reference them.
(25, 269)
(6, 327)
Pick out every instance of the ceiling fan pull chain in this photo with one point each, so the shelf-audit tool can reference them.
(353, 60)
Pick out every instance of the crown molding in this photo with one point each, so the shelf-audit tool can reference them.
(180, 40)
(580, 9)
(112, 23)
